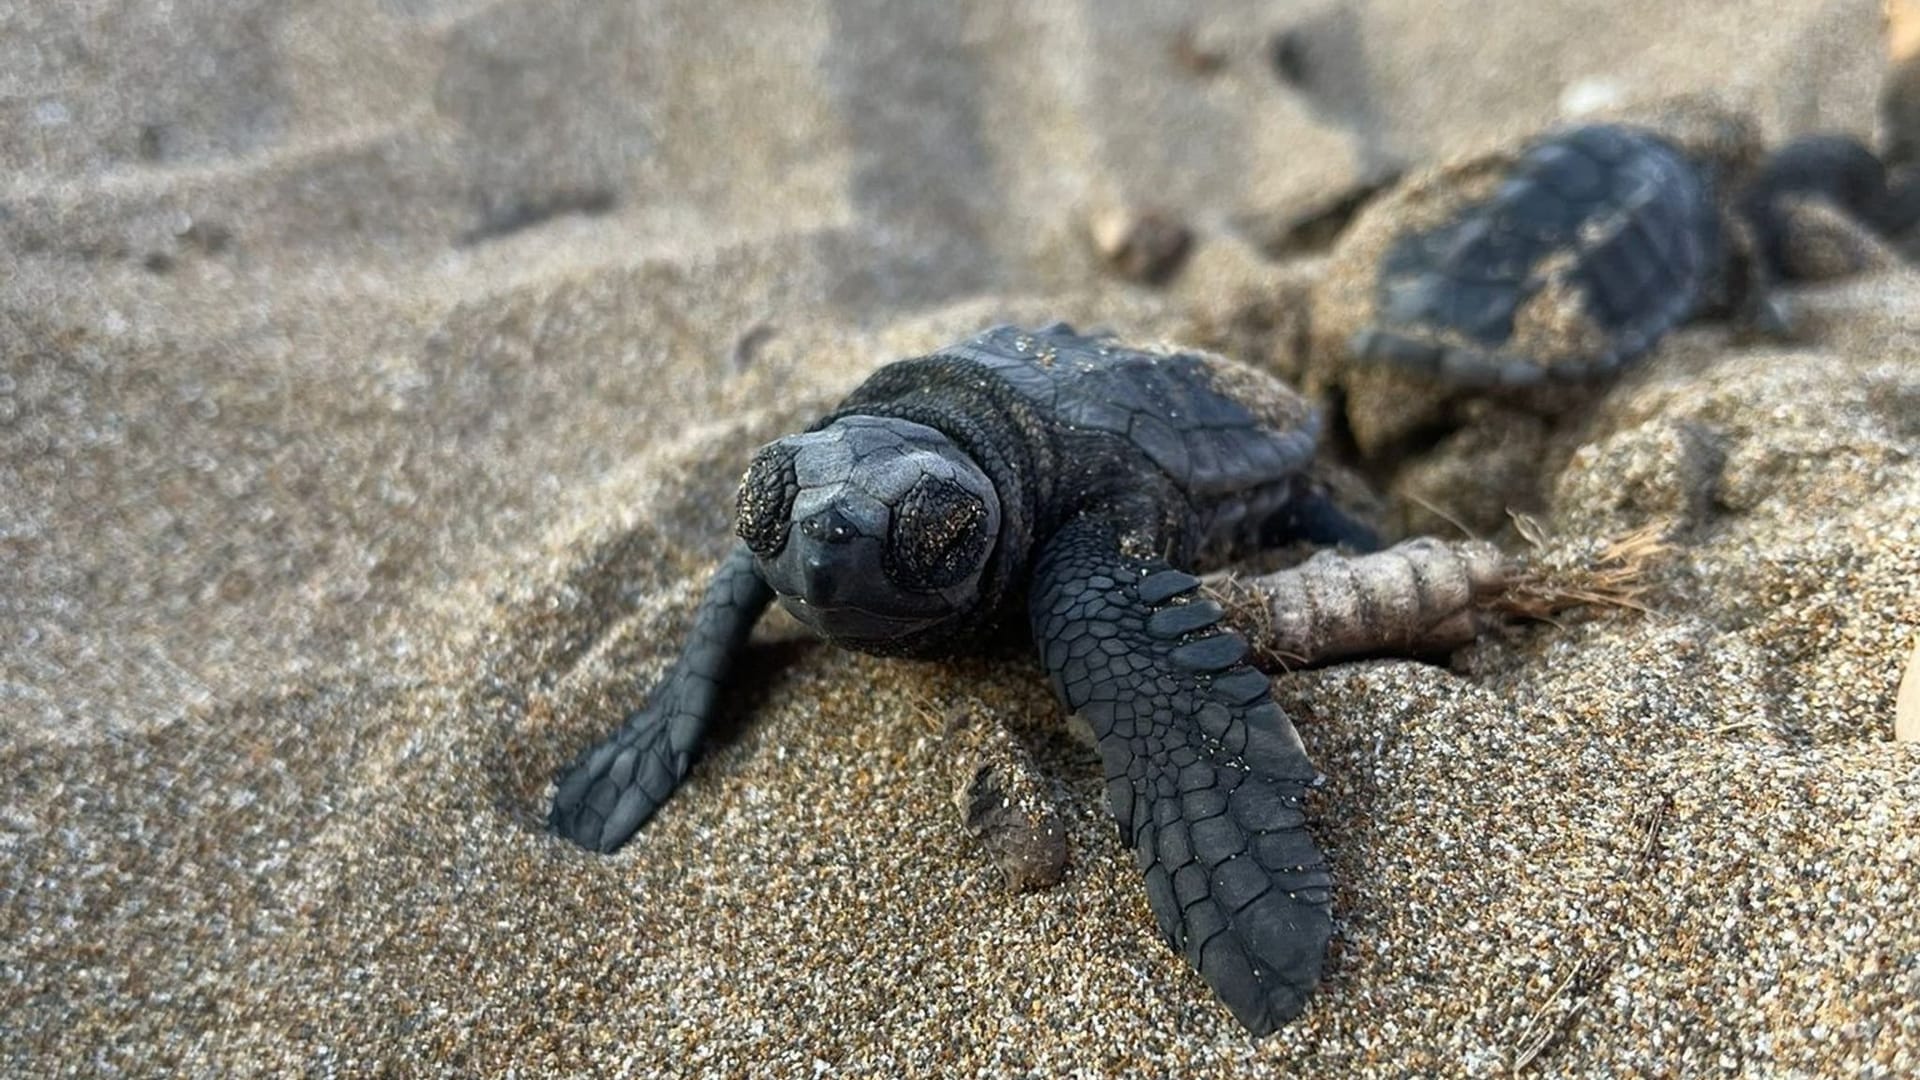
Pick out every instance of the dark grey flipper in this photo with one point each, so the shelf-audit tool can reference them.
(615, 787)
(1205, 774)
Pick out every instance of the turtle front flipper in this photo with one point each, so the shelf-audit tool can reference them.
(615, 787)
(1205, 774)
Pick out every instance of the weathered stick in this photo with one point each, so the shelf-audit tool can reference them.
(1420, 596)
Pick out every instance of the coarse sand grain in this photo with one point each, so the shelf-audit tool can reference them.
(374, 378)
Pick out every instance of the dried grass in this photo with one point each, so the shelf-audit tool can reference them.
(1616, 577)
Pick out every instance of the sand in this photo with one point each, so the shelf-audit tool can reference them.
(374, 376)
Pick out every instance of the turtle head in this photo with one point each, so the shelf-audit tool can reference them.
(875, 532)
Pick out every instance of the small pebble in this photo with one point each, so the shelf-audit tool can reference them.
(1008, 804)
(1140, 245)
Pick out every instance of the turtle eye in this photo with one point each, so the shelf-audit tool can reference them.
(763, 507)
(939, 536)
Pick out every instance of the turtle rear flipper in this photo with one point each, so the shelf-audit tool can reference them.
(615, 787)
(1205, 774)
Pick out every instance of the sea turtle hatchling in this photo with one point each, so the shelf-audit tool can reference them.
(1077, 482)
(1535, 266)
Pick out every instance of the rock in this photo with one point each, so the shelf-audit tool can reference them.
(1143, 245)
(1006, 802)
(1200, 49)
(1586, 97)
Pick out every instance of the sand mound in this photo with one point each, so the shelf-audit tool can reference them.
(373, 381)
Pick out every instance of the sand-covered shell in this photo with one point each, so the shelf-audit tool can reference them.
(1552, 261)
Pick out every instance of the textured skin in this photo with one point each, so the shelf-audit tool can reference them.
(615, 787)
(1611, 215)
(1205, 774)
(1112, 472)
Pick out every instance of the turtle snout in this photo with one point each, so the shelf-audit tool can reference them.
(831, 557)
(817, 579)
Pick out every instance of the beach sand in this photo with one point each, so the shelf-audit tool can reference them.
(374, 379)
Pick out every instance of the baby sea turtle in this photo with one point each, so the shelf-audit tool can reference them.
(1539, 265)
(1076, 482)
